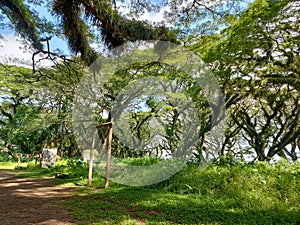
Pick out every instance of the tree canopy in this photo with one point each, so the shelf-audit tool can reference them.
(251, 48)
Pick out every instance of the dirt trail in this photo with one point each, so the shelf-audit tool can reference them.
(32, 201)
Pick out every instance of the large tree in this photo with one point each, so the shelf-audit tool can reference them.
(256, 60)
(23, 19)
(35, 110)
(82, 22)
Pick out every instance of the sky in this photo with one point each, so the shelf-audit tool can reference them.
(16, 51)
(13, 50)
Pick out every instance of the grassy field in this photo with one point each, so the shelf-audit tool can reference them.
(222, 193)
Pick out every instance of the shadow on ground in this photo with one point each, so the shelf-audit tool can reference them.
(146, 206)
(32, 201)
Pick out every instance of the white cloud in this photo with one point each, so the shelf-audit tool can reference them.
(154, 17)
(14, 50)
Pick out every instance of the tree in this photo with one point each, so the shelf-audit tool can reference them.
(114, 27)
(17, 109)
(36, 108)
(255, 59)
(23, 20)
(254, 53)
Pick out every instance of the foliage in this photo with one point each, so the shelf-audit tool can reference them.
(142, 161)
(254, 59)
(225, 192)
(35, 108)
(71, 168)
(5, 157)
(253, 53)
(230, 177)
(219, 194)
(112, 25)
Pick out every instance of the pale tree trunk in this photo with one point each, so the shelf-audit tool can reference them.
(108, 155)
(91, 158)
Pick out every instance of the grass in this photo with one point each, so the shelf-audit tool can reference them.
(235, 194)
(228, 193)
(117, 205)
(76, 170)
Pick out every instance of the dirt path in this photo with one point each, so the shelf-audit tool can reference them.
(32, 201)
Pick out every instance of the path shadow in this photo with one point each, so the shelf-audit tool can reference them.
(32, 200)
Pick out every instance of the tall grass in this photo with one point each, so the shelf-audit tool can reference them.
(224, 192)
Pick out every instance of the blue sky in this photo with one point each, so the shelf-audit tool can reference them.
(11, 47)
(55, 41)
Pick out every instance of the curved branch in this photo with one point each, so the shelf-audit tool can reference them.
(21, 17)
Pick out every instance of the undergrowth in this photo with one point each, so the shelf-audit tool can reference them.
(223, 192)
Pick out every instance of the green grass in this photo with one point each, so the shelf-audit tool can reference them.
(117, 205)
(76, 170)
(8, 165)
(229, 193)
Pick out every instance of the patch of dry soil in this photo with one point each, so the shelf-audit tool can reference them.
(32, 201)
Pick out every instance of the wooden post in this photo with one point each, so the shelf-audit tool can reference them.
(19, 160)
(108, 155)
(28, 156)
(91, 158)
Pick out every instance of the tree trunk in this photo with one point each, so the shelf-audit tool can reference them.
(91, 158)
(108, 156)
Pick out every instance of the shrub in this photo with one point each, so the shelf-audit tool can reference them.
(71, 168)
(5, 157)
(142, 161)
(258, 182)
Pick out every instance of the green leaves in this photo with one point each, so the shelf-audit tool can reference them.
(35, 108)
(22, 18)
(254, 59)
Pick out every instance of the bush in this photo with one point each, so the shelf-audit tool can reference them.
(71, 168)
(142, 161)
(258, 182)
(5, 157)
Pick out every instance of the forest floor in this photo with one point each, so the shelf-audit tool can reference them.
(32, 201)
(257, 194)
